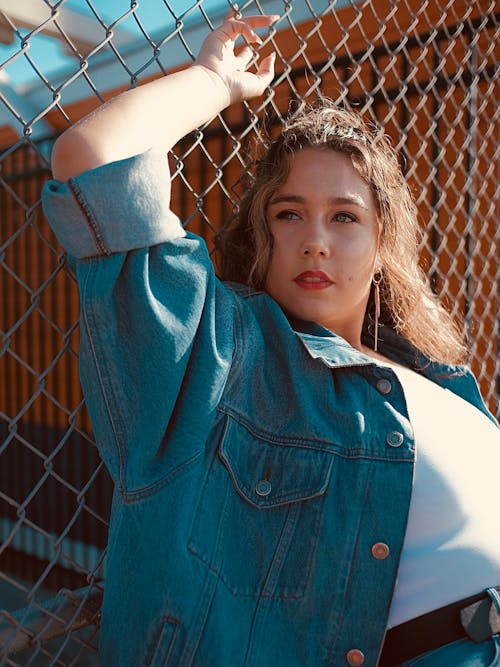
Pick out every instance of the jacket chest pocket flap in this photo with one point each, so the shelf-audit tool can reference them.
(257, 522)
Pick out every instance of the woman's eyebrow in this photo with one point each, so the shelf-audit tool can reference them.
(355, 200)
(297, 199)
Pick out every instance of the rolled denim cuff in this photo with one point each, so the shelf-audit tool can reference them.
(118, 207)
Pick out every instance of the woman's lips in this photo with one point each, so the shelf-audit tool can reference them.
(313, 280)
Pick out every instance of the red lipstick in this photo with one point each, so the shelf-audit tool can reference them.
(313, 280)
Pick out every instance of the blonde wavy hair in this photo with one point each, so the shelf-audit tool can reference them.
(408, 304)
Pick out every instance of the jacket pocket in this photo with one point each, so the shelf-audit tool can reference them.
(163, 649)
(257, 523)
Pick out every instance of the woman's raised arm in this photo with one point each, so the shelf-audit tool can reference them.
(161, 112)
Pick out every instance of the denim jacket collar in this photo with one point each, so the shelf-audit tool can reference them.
(328, 347)
(335, 352)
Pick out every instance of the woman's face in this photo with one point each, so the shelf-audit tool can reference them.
(326, 235)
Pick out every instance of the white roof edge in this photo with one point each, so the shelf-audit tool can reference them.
(80, 28)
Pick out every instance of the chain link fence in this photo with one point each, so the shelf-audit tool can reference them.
(427, 72)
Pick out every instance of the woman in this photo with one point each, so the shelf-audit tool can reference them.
(268, 509)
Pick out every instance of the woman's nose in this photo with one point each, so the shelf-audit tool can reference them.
(315, 246)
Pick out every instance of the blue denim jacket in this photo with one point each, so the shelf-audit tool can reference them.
(257, 462)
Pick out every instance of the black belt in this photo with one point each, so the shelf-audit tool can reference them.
(477, 617)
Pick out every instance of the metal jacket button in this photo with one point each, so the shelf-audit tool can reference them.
(263, 488)
(384, 386)
(355, 657)
(395, 439)
(380, 550)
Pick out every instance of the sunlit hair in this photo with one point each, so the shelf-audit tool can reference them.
(407, 302)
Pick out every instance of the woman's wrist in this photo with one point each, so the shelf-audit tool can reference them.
(221, 93)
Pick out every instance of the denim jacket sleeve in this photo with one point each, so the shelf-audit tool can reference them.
(156, 334)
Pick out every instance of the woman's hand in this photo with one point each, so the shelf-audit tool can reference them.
(163, 111)
(217, 55)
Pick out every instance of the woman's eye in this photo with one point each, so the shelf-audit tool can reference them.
(344, 217)
(287, 215)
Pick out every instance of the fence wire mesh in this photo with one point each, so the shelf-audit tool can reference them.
(427, 72)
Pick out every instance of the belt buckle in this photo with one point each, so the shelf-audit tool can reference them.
(481, 619)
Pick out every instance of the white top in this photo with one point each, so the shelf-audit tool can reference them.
(452, 543)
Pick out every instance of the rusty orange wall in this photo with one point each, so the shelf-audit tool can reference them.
(38, 306)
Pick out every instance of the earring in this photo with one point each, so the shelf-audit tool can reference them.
(376, 280)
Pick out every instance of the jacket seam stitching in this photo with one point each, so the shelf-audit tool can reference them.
(284, 441)
(237, 336)
(348, 578)
(147, 491)
(88, 315)
(92, 223)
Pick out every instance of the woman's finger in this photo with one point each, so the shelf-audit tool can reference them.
(233, 27)
(244, 57)
(232, 13)
(265, 71)
(260, 20)
(256, 20)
